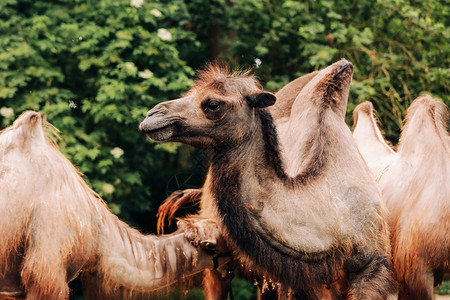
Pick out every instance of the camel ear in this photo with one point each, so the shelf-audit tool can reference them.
(261, 100)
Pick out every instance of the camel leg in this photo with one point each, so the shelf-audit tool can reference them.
(313, 294)
(44, 282)
(216, 288)
(92, 287)
(418, 285)
(372, 281)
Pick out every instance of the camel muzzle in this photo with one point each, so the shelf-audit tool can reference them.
(158, 127)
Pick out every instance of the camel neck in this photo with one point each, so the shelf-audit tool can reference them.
(263, 150)
(142, 263)
(243, 182)
(260, 150)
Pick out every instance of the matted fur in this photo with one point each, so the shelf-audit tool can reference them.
(275, 219)
(415, 186)
(53, 227)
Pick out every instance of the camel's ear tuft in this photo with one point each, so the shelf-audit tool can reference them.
(261, 100)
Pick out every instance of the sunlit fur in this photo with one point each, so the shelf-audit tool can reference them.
(415, 186)
(301, 209)
(53, 227)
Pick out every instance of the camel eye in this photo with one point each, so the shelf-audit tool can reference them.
(212, 109)
(213, 105)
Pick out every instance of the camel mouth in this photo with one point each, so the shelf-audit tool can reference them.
(158, 131)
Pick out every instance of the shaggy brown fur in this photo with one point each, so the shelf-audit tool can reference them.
(172, 204)
(53, 227)
(274, 216)
(415, 185)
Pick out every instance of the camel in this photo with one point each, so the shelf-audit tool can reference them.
(215, 284)
(414, 181)
(280, 112)
(304, 222)
(54, 227)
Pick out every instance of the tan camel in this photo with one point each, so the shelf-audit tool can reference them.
(415, 186)
(303, 224)
(53, 227)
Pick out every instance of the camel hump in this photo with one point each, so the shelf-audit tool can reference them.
(27, 127)
(286, 96)
(425, 128)
(365, 108)
(318, 111)
(29, 116)
(336, 85)
(329, 88)
(29, 120)
(340, 71)
(375, 150)
(366, 129)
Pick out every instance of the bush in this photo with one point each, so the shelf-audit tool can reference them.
(399, 48)
(94, 68)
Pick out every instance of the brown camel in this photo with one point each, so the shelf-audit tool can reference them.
(54, 227)
(215, 285)
(304, 224)
(280, 112)
(414, 182)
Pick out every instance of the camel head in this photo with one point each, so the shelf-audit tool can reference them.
(219, 103)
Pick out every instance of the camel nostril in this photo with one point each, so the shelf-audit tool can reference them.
(153, 112)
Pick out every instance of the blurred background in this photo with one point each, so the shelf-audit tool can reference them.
(94, 68)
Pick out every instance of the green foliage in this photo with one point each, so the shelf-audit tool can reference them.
(243, 290)
(399, 48)
(94, 68)
(444, 288)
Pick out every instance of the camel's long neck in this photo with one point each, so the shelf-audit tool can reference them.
(262, 152)
(139, 263)
(249, 186)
